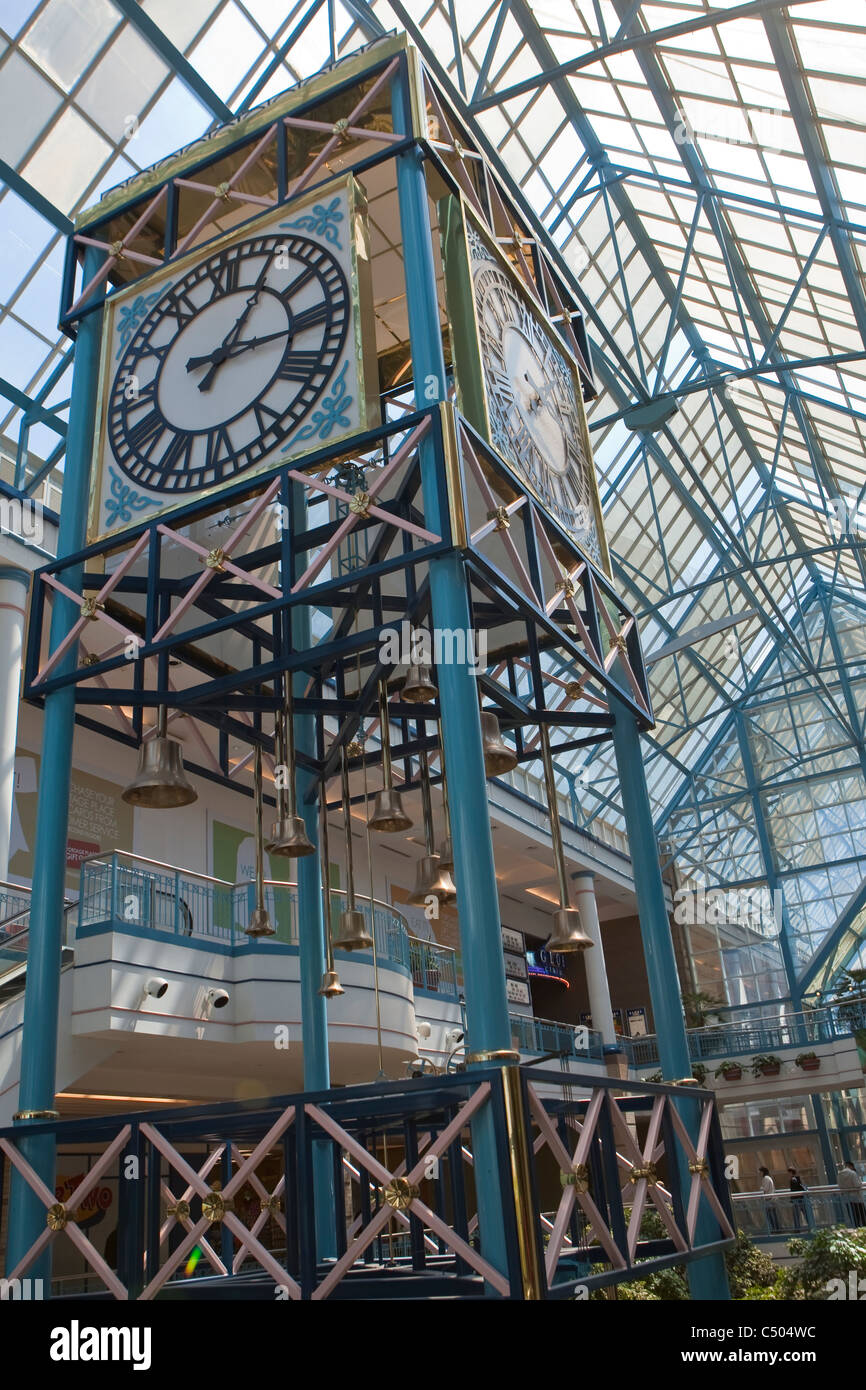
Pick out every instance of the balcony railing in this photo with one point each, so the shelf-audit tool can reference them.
(544, 1035)
(143, 894)
(742, 1038)
(785, 1215)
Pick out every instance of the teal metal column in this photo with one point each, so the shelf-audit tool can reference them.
(42, 994)
(311, 930)
(488, 1026)
(707, 1277)
(767, 858)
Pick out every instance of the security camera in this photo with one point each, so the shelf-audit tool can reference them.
(217, 998)
(454, 1036)
(422, 1030)
(156, 987)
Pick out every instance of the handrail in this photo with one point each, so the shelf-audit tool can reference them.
(104, 861)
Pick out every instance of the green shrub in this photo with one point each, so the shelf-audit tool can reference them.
(830, 1254)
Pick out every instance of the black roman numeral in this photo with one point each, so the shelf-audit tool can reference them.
(145, 430)
(298, 366)
(219, 449)
(179, 450)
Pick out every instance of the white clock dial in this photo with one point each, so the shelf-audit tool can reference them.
(226, 363)
(535, 416)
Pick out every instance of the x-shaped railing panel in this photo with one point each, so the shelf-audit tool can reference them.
(402, 1194)
(59, 1216)
(217, 1206)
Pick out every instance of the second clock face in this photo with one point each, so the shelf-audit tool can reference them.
(228, 360)
(535, 415)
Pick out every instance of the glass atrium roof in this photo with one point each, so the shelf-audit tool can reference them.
(700, 165)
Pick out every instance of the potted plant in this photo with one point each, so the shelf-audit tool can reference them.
(699, 1072)
(696, 1006)
(729, 1071)
(808, 1061)
(766, 1066)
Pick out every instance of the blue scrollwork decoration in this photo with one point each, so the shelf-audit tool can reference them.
(131, 316)
(331, 415)
(322, 221)
(123, 502)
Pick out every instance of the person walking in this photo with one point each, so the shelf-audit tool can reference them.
(851, 1188)
(798, 1199)
(768, 1187)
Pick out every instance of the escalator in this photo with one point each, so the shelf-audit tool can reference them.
(14, 943)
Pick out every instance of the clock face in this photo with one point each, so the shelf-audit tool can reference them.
(536, 416)
(229, 359)
(240, 356)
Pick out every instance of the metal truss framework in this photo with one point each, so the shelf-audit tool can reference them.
(779, 530)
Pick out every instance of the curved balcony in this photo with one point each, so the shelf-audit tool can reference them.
(139, 918)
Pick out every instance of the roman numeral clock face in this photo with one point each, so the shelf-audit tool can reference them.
(535, 417)
(244, 355)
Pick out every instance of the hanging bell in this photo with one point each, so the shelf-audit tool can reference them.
(260, 923)
(498, 757)
(289, 839)
(160, 781)
(388, 814)
(352, 934)
(418, 688)
(568, 934)
(431, 880)
(331, 986)
(446, 855)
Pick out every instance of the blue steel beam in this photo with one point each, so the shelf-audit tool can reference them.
(37, 200)
(626, 44)
(819, 169)
(161, 44)
(741, 282)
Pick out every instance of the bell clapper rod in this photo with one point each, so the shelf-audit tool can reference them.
(382, 1075)
(331, 986)
(280, 751)
(347, 812)
(260, 853)
(385, 731)
(555, 827)
(289, 744)
(426, 804)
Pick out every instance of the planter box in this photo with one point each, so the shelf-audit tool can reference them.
(735, 1074)
(770, 1071)
(810, 1066)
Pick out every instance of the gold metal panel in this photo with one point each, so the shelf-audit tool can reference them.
(252, 123)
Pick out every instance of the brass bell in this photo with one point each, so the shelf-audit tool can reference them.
(432, 880)
(160, 781)
(568, 934)
(446, 855)
(352, 934)
(498, 757)
(388, 814)
(331, 986)
(260, 923)
(418, 688)
(289, 839)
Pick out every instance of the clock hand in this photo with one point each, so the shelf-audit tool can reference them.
(223, 351)
(233, 349)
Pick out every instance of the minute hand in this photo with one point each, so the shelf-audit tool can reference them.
(223, 351)
(232, 349)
